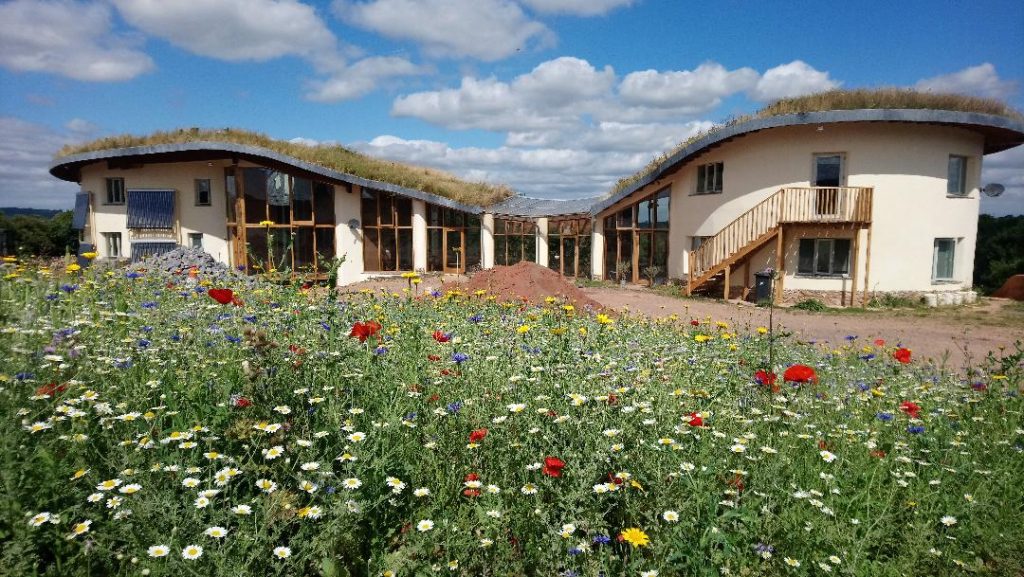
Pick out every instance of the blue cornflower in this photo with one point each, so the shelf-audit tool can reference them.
(410, 417)
(143, 343)
(867, 357)
(573, 551)
(176, 337)
(24, 376)
(476, 318)
(435, 293)
(147, 329)
(232, 339)
(915, 429)
(52, 297)
(123, 363)
(249, 318)
(460, 357)
(149, 305)
(454, 407)
(325, 326)
(69, 288)
(133, 275)
(851, 337)
(885, 417)
(601, 539)
(380, 351)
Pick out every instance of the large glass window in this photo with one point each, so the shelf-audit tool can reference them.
(514, 241)
(943, 259)
(824, 256)
(956, 185)
(569, 246)
(387, 231)
(636, 240)
(453, 240)
(828, 170)
(288, 221)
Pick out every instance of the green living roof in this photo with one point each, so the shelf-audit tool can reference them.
(334, 157)
(834, 100)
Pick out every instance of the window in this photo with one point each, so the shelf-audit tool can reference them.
(709, 178)
(202, 192)
(112, 240)
(115, 191)
(828, 170)
(824, 256)
(636, 239)
(387, 231)
(514, 241)
(943, 258)
(195, 240)
(956, 185)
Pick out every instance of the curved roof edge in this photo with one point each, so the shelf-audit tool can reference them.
(66, 167)
(1000, 134)
(538, 207)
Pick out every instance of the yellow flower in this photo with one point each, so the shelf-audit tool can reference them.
(73, 268)
(10, 259)
(762, 330)
(89, 255)
(558, 331)
(267, 223)
(523, 329)
(701, 338)
(603, 319)
(635, 537)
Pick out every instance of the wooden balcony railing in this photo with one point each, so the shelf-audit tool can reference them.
(789, 205)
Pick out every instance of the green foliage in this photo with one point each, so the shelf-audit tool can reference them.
(894, 301)
(333, 156)
(128, 379)
(38, 236)
(1000, 251)
(814, 305)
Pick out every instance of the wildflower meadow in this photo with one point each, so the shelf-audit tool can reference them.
(157, 425)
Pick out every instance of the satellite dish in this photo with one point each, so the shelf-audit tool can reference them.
(353, 223)
(993, 189)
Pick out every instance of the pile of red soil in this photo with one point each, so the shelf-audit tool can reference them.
(529, 281)
(1013, 288)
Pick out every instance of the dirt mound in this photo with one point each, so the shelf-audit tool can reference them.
(530, 281)
(1013, 288)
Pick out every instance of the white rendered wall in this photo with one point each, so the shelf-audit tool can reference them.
(419, 235)
(348, 240)
(542, 241)
(597, 247)
(487, 240)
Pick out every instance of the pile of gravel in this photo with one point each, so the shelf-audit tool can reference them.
(179, 261)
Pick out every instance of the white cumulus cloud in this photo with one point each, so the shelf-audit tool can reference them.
(26, 150)
(483, 29)
(72, 39)
(686, 91)
(794, 79)
(361, 78)
(981, 80)
(233, 30)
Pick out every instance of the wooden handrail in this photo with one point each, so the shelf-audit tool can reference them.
(788, 205)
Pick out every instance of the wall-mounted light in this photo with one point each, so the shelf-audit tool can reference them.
(821, 128)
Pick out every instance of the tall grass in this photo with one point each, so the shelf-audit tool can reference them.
(332, 156)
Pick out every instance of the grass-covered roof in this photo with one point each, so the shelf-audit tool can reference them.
(857, 99)
(331, 156)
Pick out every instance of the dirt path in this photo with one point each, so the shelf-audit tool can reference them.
(943, 336)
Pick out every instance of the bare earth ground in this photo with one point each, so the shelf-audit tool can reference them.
(955, 337)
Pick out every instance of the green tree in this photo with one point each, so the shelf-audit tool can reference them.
(36, 236)
(999, 253)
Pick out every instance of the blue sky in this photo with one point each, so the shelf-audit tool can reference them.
(556, 98)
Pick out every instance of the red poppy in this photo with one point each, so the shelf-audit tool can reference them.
(434, 398)
(902, 355)
(878, 454)
(695, 420)
(695, 323)
(242, 402)
(51, 389)
(879, 342)
(223, 296)
(296, 350)
(766, 378)
(434, 357)
(477, 435)
(911, 409)
(800, 374)
(442, 337)
(471, 492)
(553, 466)
(364, 330)
(472, 477)
(612, 400)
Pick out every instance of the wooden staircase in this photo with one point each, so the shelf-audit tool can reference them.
(754, 229)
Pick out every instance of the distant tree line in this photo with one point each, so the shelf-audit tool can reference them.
(29, 235)
(1000, 251)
